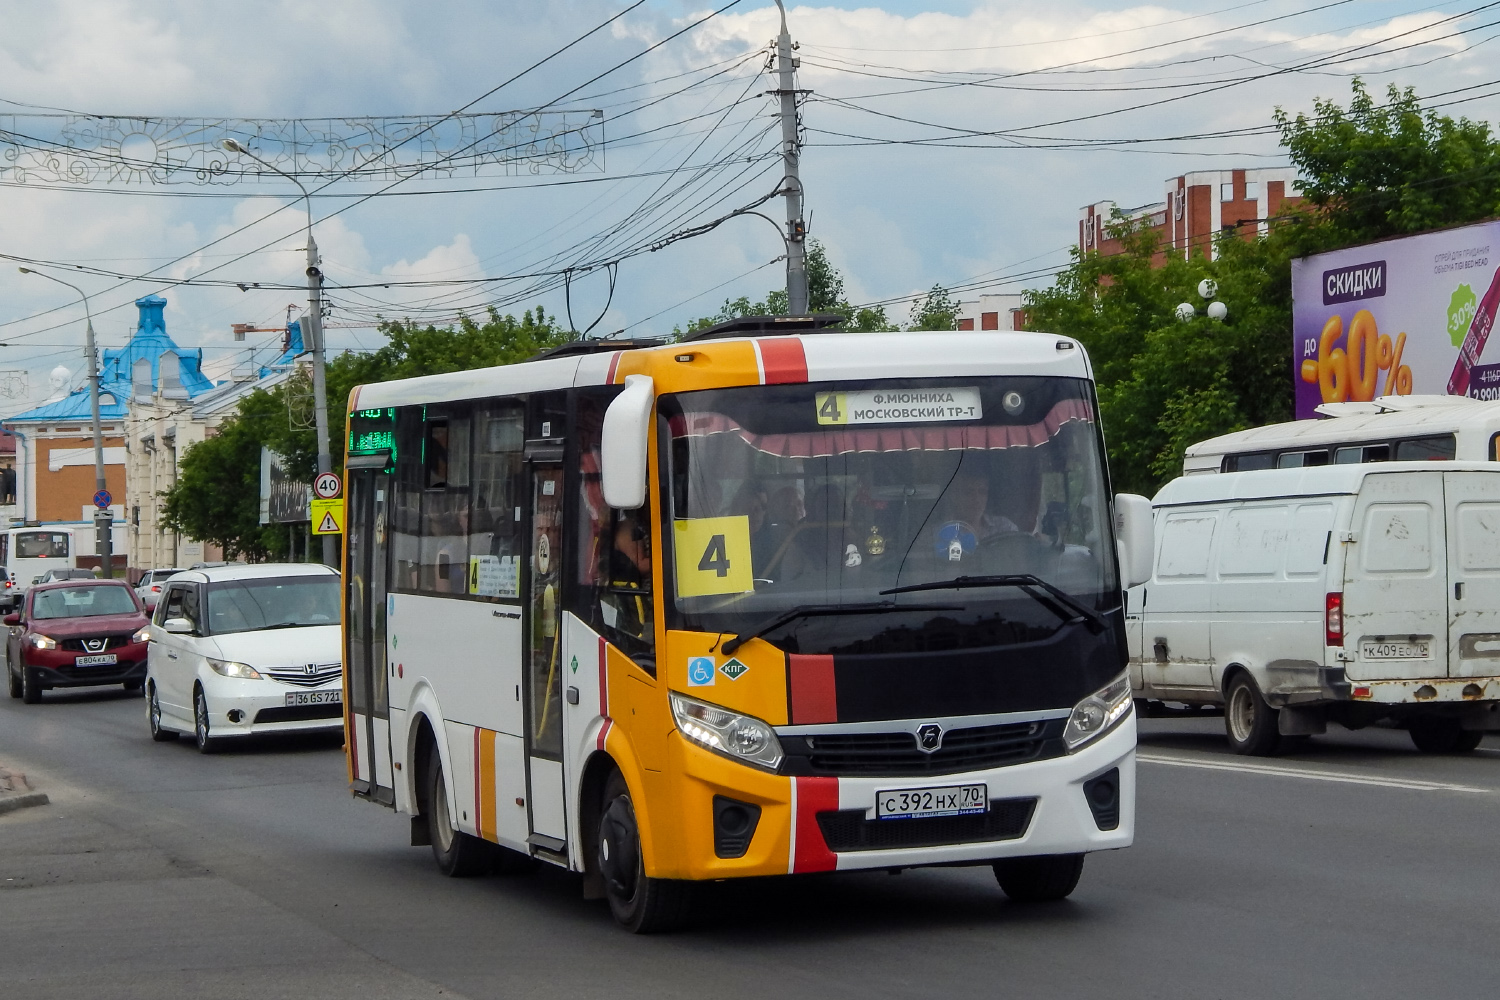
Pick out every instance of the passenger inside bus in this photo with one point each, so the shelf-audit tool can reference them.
(628, 600)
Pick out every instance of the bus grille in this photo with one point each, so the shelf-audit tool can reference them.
(849, 830)
(896, 754)
(321, 674)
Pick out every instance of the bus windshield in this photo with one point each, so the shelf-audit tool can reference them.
(823, 496)
(41, 545)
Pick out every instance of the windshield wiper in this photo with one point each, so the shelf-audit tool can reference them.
(267, 628)
(1025, 582)
(822, 611)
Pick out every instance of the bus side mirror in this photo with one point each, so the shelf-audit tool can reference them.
(623, 442)
(1136, 537)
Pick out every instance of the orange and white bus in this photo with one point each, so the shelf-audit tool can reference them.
(769, 600)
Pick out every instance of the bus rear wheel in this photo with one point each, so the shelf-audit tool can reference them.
(458, 854)
(641, 904)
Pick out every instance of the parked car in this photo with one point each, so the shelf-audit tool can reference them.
(1342, 593)
(238, 650)
(55, 575)
(75, 634)
(148, 587)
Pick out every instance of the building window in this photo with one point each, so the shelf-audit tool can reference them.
(1226, 192)
(1252, 190)
(989, 321)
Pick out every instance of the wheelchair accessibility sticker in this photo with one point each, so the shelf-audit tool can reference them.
(700, 670)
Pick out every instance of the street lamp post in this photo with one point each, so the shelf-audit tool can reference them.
(103, 519)
(314, 331)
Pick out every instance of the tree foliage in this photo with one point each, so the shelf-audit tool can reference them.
(216, 496)
(1367, 171)
(825, 294)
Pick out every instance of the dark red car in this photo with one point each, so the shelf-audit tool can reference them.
(76, 633)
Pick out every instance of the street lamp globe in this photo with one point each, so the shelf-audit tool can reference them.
(1217, 310)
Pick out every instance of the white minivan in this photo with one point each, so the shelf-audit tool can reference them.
(1343, 593)
(238, 650)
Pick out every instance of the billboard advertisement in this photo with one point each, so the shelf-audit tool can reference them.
(1396, 318)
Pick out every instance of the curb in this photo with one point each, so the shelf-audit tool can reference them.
(10, 803)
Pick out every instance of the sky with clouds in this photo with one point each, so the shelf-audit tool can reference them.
(946, 141)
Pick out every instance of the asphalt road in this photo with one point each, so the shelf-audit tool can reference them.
(1352, 867)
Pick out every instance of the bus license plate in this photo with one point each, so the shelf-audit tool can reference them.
(1394, 650)
(97, 660)
(294, 698)
(916, 803)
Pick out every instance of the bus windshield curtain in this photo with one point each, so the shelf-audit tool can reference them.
(917, 437)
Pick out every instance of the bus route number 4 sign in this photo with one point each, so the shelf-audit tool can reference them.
(327, 486)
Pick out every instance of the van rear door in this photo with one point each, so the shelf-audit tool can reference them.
(1396, 579)
(1473, 500)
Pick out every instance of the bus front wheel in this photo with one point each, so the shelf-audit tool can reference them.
(641, 904)
(1040, 879)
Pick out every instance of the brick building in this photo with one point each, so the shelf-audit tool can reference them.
(1197, 207)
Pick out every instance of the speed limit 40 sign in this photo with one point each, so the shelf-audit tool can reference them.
(328, 485)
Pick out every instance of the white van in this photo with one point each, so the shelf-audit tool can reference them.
(27, 553)
(1351, 594)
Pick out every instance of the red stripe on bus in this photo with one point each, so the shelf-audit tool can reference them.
(614, 363)
(783, 360)
(603, 679)
(604, 732)
(814, 795)
(814, 697)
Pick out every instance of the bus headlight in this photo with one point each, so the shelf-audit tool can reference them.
(1097, 714)
(740, 737)
(230, 668)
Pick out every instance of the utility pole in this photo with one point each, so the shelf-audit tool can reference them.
(791, 182)
(312, 330)
(104, 518)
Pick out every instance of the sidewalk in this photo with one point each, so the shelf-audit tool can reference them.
(16, 791)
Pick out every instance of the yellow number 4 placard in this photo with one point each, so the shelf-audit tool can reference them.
(713, 556)
(833, 407)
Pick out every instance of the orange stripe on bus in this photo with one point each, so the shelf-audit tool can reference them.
(486, 815)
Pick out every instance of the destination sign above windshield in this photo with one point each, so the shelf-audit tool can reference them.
(898, 406)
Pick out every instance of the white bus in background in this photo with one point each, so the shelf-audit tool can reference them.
(29, 552)
(1389, 429)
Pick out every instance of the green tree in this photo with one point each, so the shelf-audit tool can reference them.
(937, 310)
(1378, 170)
(216, 496)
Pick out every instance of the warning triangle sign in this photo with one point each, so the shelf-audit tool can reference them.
(328, 526)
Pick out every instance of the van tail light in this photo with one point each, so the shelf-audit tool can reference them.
(1333, 619)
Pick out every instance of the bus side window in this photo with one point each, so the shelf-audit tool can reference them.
(613, 568)
(498, 477)
(406, 511)
(444, 543)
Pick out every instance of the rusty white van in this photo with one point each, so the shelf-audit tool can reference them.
(1343, 593)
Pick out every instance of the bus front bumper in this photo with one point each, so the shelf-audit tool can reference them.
(1035, 808)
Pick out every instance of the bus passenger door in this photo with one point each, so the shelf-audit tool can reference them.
(544, 675)
(367, 726)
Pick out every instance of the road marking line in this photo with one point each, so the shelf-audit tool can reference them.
(1410, 784)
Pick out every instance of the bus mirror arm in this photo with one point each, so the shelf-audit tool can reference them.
(623, 444)
(1135, 538)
